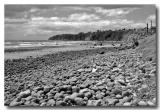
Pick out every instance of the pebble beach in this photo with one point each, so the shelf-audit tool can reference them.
(103, 76)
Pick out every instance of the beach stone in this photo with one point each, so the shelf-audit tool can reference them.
(154, 100)
(34, 104)
(60, 103)
(81, 70)
(75, 89)
(37, 88)
(43, 104)
(84, 90)
(116, 70)
(58, 95)
(46, 89)
(65, 87)
(118, 96)
(150, 103)
(79, 101)
(15, 103)
(111, 101)
(51, 102)
(71, 97)
(127, 104)
(94, 103)
(39, 93)
(88, 95)
(126, 93)
(116, 91)
(94, 70)
(99, 96)
(24, 94)
(142, 103)
(28, 98)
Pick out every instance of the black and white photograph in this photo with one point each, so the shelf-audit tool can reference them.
(77, 55)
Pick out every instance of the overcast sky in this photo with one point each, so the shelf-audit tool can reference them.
(39, 22)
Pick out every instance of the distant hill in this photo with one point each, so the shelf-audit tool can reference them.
(107, 35)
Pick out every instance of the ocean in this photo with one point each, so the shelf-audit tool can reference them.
(25, 44)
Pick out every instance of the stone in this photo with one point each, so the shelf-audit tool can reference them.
(24, 94)
(94, 103)
(51, 102)
(71, 97)
(126, 93)
(154, 100)
(119, 96)
(84, 90)
(65, 87)
(60, 103)
(58, 95)
(125, 99)
(46, 89)
(28, 98)
(94, 70)
(75, 89)
(81, 70)
(79, 101)
(99, 96)
(43, 104)
(37, 88)
(142, 103)
(88, 95)
(127, 104)
(39, 93)
(116, 91)
(116, 70)
(15, 103)
(111, 101)
(150, 103)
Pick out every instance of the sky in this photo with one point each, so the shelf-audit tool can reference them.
(39, 22)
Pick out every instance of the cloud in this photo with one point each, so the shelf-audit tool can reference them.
(114, 12)
(152, 17)
(16, 20)
(83, 17)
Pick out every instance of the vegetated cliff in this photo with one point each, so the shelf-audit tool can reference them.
(99, 35)
(107, 35)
